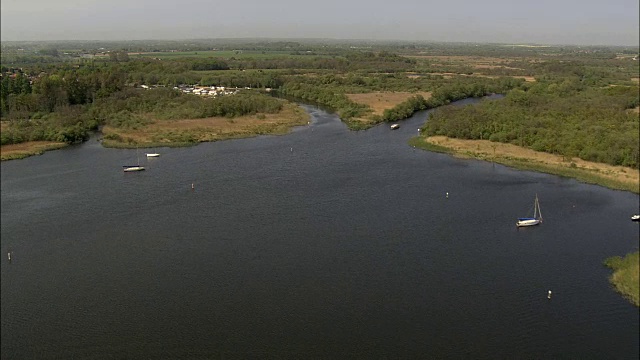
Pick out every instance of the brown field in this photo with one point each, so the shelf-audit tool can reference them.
(381, 101)
(488, 150)
(22, 150)
(207, 129)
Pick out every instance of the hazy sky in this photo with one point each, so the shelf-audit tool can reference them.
(580, 22)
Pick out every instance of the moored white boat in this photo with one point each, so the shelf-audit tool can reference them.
(132, 168)
(635, 217)
(530, 221)
(395, 126)
(152, 155)
(527, 222)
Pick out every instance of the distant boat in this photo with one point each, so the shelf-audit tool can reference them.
(395, 126)
(129, 168)
(153, 155)
(537, 216)
(635, 217)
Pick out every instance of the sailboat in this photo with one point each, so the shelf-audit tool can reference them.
(537, 216)
(128, 168)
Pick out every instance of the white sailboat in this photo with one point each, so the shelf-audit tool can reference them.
(129, 168)
(537, 216)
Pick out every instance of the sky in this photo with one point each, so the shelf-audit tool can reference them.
(545, 22)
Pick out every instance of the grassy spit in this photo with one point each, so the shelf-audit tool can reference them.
(26, 149)
(188, 132)
(613, 177)
(625, 277)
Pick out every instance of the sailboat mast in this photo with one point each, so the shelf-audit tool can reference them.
(539, 211)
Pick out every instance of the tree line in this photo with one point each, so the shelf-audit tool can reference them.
(560, 117)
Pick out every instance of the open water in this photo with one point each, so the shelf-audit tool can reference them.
(323, 243)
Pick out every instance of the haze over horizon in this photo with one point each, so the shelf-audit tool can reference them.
(559, 22)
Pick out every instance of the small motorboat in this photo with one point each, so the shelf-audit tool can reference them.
(635, 217)
(153, 155)
(395, 126)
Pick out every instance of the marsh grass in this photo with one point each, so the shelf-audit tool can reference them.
(26, 149)
(188, 132)
(625, 277)
(612, 177)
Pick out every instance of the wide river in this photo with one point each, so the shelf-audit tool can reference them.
(323, 243)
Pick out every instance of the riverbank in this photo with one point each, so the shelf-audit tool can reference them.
(29, 148)
(378, 102)
(188, 132)
(625, 277)
(178, 133)
(613, 177)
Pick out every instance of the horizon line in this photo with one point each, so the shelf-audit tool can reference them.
(325, 39)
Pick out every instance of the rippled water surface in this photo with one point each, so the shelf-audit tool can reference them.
(320, 243)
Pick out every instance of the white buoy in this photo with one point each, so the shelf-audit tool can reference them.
(549, 295)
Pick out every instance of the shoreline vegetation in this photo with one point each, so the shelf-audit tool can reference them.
(626, 275)
(178, 133)
(612, 177)
(26, 149)
(190, 132)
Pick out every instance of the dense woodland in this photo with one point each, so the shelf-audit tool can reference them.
(581, 103)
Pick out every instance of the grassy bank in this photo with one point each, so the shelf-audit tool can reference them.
(613, 177)
(26, 149)
(188, 132)
(625, 277)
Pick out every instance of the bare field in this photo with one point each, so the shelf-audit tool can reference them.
(381, 101)
(488, 150)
